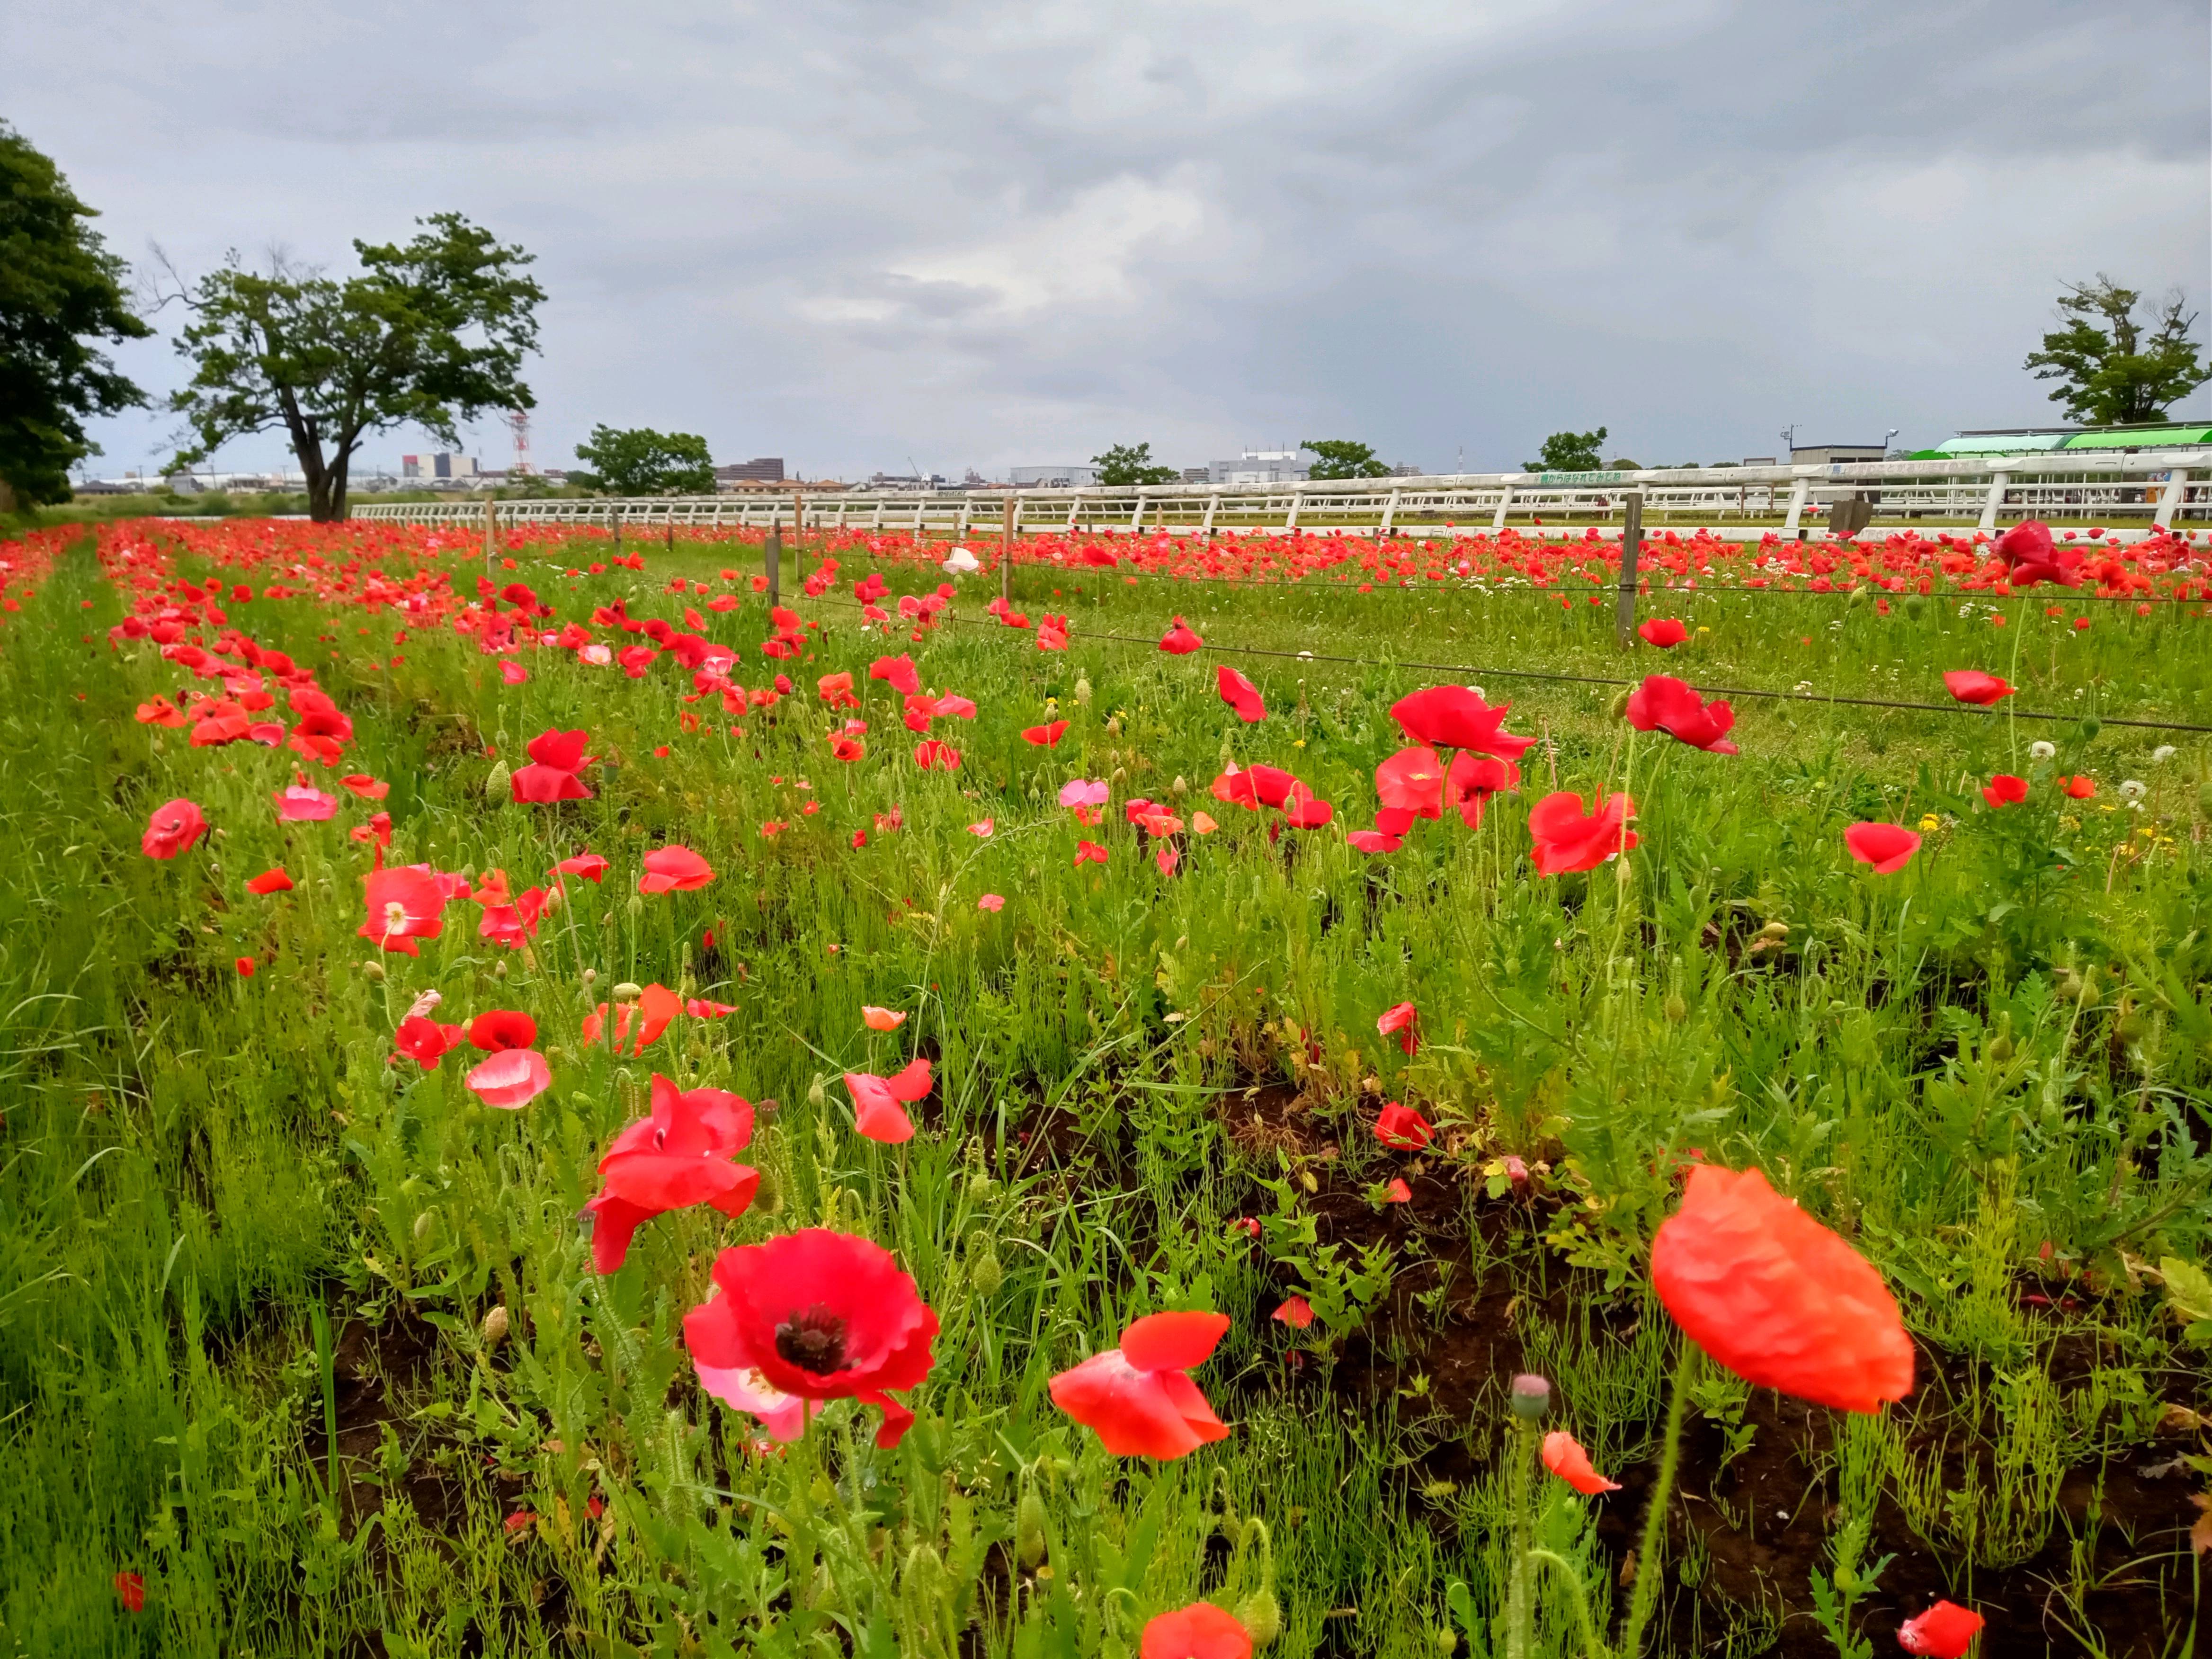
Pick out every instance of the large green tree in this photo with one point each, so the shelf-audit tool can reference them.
(60, 290)
(1131, 464)
(430, 334)
(1569, 451)
(639, 461)
(2115, 367)
(1341, 458)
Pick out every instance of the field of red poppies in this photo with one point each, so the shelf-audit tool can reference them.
(1186, 1097)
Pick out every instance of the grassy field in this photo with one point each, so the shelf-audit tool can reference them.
(304, 1348)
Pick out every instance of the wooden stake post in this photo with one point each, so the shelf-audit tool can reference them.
(1006, 553)
(491, 527)
(1631, 543)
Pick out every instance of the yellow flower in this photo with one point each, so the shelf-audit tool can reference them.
(1929, 820)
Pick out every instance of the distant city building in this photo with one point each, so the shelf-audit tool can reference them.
(1197, 475)
(1403, 471)
(1263, 466)
(2034, 440)
(761, 468)
(437, 466)
(1829, 454)
(904, 481)
(1051, 478)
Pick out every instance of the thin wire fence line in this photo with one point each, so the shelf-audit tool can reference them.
(1555, 676)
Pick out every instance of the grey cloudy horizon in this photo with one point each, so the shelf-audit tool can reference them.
(859, 235)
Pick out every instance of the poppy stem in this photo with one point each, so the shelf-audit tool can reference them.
(1518, 1611)
(1648, 1572)
(1591, 1646)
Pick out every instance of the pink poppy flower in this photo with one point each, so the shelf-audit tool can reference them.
(1138, 1397)
(1564, 1457)
(1887, 847)
(879, 1103)
(511, 1078)
(674, 870)
(991, 901)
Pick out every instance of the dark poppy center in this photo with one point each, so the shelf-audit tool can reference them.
(813, 1338)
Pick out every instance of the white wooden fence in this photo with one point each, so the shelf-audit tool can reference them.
(2141, 490)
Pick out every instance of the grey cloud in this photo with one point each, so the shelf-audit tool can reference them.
(983, 232)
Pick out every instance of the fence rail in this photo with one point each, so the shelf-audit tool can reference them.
(2142, 491)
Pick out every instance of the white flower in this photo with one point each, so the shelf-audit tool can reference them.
(2041, 751)
(2163, 753)
(962, 563)
(2133, 789)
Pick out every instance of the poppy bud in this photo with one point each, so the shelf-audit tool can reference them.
(627, 992)
(495, 1328)
(1120, 776)
(554, 900)
(2090, 727)
(1261, 1616)
(1447, 1643)
(1775, 931)
(499, 970)
(1677, 1010)
(423, 1223)
(815, 1094)
(1083, 689)
(591, 977)
(1621, 706)
(1531, 1396)
(636, 907)
(1029, 1530)
(390, 1079)
(984, 1270)
(373, 971)
(1914, 605)
(1998, 1050)
(1114, 725)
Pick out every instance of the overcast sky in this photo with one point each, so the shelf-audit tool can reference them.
(851, 233)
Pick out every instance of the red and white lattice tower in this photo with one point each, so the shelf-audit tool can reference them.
(517, 421)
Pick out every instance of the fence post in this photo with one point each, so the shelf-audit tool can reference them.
(1006, 550)
(772, 549)
(1800, 493)
(1632, 544)
(491, 525)
(614, 516)
(1995, 498)
(1505, 506)
(2169, 501)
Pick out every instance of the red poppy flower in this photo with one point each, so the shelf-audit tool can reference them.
(933, 754)
(674, 870)
(1664, 704)
(513, 673)
(2005, 790)
(2080, 786)
(1662, 631)
(1398, 1191)
(299, 802)
(1402, 1019)
(244, 966)
(1944, 1632)
(131, 1590)
(1179, 640)
(1373, 841)
(1973, 686)
(847, 748)
(1044, 736)
(680, 1155)
(1456, 717)
(1200, 1631)
(1088, 851)
(820, 1315)
(556, 757)
(1241, 695)
(269, 881)
(1402, 1127)
(708, 1008)
(175, 825)
(2029, 556)
(655, 1007)
(1887, 847)
(1563, 1456)
(1136, 1397)
(590, 865)
(502, 1027)
(404, 904)
(1470, 783)
(510, 1079)
(1413, 780)
(426, 1041)
(1254, 786)
(1295, 1312)
(879, 1103)
(1303, 809)
(366, 787)
(898, 672)
(1567, 839)
(1775, 1296)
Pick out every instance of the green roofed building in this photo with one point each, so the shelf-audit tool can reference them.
(2037, 440)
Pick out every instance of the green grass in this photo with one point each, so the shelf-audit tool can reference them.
(2000, 1048)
